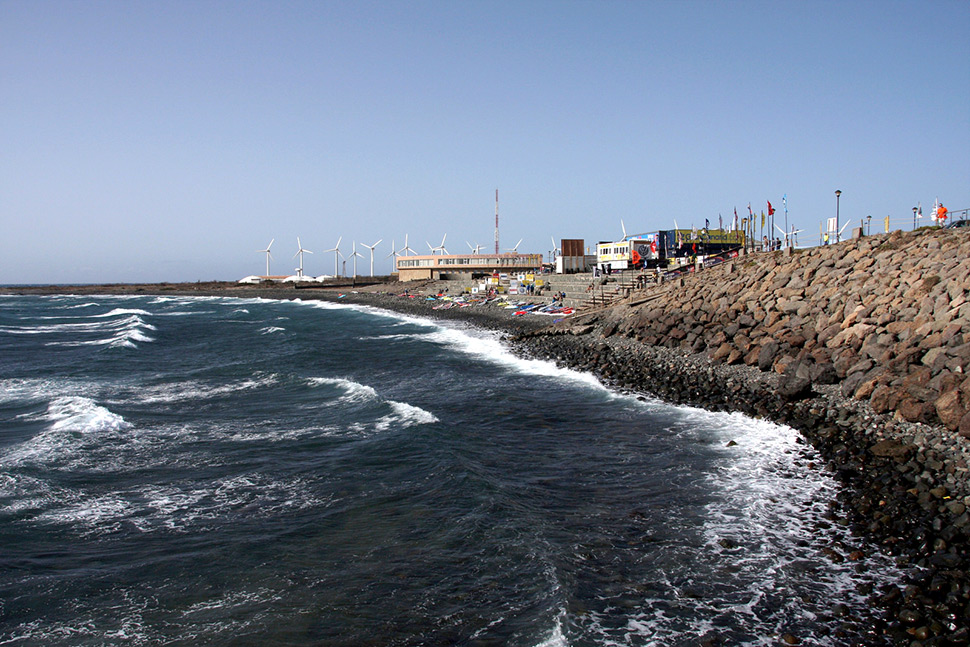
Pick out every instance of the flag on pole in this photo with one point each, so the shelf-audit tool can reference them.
(762, 219)
(750, 213)
(735, 218)
(707, 223)
(771, 210)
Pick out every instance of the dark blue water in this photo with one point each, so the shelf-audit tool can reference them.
(225, 472)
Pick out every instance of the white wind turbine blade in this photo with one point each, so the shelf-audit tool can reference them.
(623, 227)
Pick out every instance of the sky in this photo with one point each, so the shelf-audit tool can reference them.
(171, 140)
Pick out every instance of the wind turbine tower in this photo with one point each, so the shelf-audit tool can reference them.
(268, 255)
(371, 248)
(496, 221)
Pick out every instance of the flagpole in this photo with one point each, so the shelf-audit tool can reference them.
(784, 200)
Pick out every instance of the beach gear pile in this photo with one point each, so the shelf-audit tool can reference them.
(519, 308)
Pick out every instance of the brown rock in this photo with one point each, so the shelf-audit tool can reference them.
(722, 352)
(892, 449)
(964, 428)
(915, 410)
(884, 398)
(949, 409)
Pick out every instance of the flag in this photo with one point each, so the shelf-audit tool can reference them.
(771, 210)
(762, 218)
(720, 222)
(750, 213)
(707, 223)
(735, 218)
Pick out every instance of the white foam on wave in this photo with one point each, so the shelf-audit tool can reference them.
(352, 391)
(76, 425)
(82, 415)
(117, 312)
(401, 416)
(124, 327)
(479, 343)
(127, 331)
(268, 330)
(404, 415)
(198, 390)
(765, 525)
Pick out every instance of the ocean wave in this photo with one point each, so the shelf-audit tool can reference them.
(76, 425)
(124, 326)
(268, 330)
(481, 344)
(127, 332)
(404, 415)
(82, 415)
(198, 390)
(117, 312)
(352, 391)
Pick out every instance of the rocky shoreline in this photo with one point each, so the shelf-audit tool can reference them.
(857, 346)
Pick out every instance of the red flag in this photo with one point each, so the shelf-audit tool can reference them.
(771, 210)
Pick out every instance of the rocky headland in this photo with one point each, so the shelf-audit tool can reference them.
(864, 347)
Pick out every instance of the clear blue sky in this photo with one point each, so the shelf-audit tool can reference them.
(168, 141)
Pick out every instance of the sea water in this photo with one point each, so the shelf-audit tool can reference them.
(217, 471)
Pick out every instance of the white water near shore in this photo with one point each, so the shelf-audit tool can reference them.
(557, 512)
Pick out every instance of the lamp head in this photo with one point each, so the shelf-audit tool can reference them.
(837, 193)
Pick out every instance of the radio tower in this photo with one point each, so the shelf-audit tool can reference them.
(496, 221)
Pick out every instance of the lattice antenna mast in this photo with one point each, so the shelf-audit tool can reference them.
(496, 221)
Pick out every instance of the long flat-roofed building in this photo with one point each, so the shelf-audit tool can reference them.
(438, 266)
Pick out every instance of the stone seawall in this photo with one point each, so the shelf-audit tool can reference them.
(863, 346)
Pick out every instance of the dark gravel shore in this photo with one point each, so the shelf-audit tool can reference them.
(905, 483)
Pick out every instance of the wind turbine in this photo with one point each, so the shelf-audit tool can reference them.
(299, 252)
(477, 249)
(406, 249)
(555, 249)
(371, 248)
(439, 248)
(789, 236)
(623, 227)
(268, 255)
(515, 250)
(354, 256)
(336, 255)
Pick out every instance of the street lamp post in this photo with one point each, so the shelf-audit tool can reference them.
(837, 194)
(914, 218)
(869, 225)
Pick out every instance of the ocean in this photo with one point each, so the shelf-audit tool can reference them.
(219, 471)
